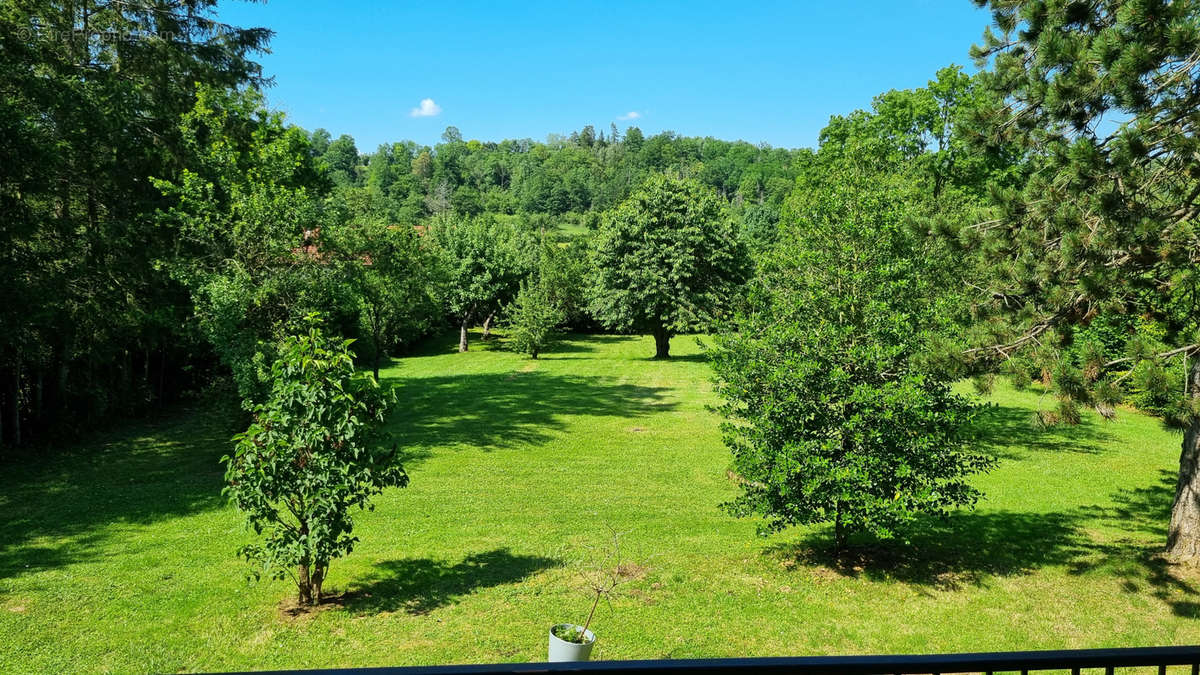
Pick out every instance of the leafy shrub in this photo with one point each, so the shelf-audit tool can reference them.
(309, 456)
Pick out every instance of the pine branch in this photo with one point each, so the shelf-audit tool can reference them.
(1162, 355)
(1031, 335)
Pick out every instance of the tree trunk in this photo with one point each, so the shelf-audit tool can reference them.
(462, 337)
(14, 404)
(34, 422)
(62, 381)
(378, 349)
(487, 326)
(839, 529)
(39, 386)
(125, 377)
(149, 392)
(377, 336)
(662, 343)
(162, 375)
(304, 584)
(318, 580)
(1183, 533)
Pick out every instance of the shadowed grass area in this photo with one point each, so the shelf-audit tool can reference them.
(1010, 432)
(58, 506)
(947, 553)
(118, 554)
(419, 586)
(495, 410)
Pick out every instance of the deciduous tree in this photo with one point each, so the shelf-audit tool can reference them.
(250, 213)
(533, 318)
(310, 455)
(668, 260)
(834, 413)
(480, 267)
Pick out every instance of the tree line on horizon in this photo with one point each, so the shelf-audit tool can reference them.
(576, 174)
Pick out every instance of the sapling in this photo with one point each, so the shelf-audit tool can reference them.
(600, 580)
(311, 454)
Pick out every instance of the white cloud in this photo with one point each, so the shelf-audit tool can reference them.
(631, 115)
(427, 109)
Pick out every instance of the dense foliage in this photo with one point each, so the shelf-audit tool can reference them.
(582, 173)
(533, 317)
(391, 278)
(158, 222)
(481, 266)
(91, 96)
(539, 308)
(243, 212)
(310, 455)
(666, 261)
(835, 373)
(1090, 266)
(834, 413)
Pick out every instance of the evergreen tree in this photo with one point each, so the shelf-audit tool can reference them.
(1103, 101)
(92, 93)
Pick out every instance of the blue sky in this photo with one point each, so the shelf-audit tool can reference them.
(759, 71)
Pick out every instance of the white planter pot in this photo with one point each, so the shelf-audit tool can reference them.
(561, 650)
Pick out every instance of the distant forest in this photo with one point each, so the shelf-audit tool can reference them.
(585, 172)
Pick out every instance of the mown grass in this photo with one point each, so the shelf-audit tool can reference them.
(118, 554)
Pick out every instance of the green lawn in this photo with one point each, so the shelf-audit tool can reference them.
(119, 554)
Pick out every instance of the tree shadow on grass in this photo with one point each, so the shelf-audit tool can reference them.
(568, 343)
(702, 357)
(1145, 510)
(447, 343)
(1140, 517)
(1122, 541)
(1005, 430)
(949, 553)
(580, 343)
(57, 503)
(419, 586)
(501, 410)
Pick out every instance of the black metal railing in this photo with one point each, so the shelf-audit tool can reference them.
(1074, 661)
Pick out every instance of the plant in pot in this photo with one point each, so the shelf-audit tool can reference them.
(573, 642)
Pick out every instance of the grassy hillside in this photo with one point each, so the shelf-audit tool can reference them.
(119, 554)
